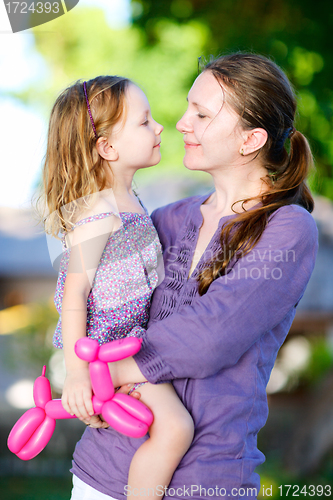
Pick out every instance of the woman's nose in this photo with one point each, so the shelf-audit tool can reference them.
(183, 125)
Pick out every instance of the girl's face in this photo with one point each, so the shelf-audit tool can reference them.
(137, 140)
(212, 133)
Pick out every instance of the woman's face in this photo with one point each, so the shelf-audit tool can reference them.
(212, 133)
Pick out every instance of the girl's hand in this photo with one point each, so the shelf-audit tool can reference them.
(77, 394)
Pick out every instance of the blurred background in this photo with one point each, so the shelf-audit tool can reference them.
(157, 43)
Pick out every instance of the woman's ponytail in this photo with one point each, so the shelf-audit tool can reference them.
(291, 182)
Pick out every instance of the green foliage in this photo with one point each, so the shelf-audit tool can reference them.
(320, 363)
(32, 345)
(304, 65)
(35, 488)
(277, 483)
(297, 35)
(160, 51)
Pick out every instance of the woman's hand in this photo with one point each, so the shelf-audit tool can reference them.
(125, 389)
(77, 394)
(97, 422)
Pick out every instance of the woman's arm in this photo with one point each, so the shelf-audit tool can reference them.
(126, 372)
(257, 295)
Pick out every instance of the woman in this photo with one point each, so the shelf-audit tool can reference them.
(237, 262)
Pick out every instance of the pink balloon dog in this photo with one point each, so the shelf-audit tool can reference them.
(34, 429)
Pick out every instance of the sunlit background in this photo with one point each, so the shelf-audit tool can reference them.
(23, 131)
(157, 44)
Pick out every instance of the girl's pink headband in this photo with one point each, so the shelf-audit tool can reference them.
(89, 110)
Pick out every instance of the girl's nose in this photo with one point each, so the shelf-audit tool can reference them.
(158, 128)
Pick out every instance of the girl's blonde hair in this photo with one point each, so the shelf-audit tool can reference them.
(73, 169)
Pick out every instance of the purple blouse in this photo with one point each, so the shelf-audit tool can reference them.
(218, 350)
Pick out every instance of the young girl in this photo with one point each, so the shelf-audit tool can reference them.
(101, 132)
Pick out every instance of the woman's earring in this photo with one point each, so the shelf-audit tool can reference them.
(242, 152)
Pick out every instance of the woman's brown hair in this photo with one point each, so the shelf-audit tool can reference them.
(73, 168)
(261, 94)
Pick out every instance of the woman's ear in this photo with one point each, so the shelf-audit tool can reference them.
(254, 140)
(105, 150)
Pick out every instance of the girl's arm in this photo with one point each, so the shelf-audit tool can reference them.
(77, 393)
(218, 328)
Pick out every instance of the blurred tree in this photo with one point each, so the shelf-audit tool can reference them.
(160, 50)
(32, 326)
(297, 35)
